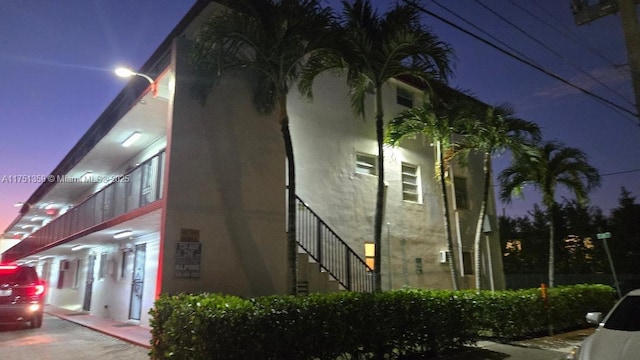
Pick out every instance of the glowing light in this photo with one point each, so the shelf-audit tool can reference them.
(131, 139)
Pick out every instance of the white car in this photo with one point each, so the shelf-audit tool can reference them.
(617, 336)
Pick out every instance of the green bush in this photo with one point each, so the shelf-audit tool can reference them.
(520, 313)
(391, 324)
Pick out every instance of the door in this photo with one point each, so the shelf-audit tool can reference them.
(88, 289)
(137, 283)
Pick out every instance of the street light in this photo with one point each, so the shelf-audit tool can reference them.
(125, 73)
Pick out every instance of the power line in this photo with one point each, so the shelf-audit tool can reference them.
(481, 30)
(572, 35)
(603, 175)
(527, 62)
(620, 172)
(548, 48)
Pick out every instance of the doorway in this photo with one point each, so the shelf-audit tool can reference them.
(88, 289)
(137, 283)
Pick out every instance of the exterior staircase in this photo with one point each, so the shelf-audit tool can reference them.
(325, 262)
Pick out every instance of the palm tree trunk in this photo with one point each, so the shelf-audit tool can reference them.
(292, 245)
(483, 211)
(377, 261)
(447, 220)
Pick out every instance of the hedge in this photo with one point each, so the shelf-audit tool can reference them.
(392, 324)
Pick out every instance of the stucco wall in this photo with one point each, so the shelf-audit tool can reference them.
(111, 294)
(327, 136)
(225, 178)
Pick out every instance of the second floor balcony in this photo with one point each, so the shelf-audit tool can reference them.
(135, 189)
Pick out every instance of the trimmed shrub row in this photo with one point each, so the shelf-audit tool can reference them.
(507, 315)
(391, 324)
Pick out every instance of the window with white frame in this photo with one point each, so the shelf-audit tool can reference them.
(410, 183)
(404, 97)
(366, 164)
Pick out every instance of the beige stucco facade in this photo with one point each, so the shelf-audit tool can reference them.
(207, 183)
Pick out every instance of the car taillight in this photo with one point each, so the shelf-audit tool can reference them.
(34, 290)
(39, 289)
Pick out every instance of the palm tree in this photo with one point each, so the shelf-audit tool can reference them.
(491, 131)
(555, 165)
(371, 49)
(439, 121)
(271, 39)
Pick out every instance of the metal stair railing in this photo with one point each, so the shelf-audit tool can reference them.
(333, 255)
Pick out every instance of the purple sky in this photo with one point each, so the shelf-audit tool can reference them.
(57, 61)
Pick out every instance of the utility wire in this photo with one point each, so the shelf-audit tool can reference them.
(621, 172)
(526, 62)
(569, 33)
(548, 48)
(482, 31)
(602, 175)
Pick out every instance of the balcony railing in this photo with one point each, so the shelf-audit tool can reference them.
(138, 187)
(333, 255)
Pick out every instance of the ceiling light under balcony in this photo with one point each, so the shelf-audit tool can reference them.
(123, 234)
(131, 139)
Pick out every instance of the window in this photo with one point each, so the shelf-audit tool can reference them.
(103, 266)
(369, 254)
(467, 262)
(366, 164)
(404, 97)
(462, 196)
(410, 183)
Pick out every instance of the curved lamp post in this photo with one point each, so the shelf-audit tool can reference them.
(125, 73)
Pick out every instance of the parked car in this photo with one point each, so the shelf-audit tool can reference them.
(617, 336)
(21, 295)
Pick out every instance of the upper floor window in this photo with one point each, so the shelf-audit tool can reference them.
(410, 183)
(404, 97)
(366, 164)
(461, 193)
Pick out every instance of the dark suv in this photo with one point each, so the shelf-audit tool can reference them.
(21, 295)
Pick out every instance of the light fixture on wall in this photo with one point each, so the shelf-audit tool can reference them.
(123, 234)
(131, 139)
(124, 72)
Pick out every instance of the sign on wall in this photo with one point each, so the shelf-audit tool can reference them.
(188, 254)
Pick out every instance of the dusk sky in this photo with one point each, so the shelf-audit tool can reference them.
(57, 60)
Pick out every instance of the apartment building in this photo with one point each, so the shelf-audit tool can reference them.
(164, 194)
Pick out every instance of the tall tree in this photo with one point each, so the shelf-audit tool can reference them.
(371, 49)
(437, 120)
(271, 40)
(625, 227)
(555, 165)
(491, 131)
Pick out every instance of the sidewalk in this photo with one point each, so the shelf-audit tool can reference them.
(560, 342)
(130, 333)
